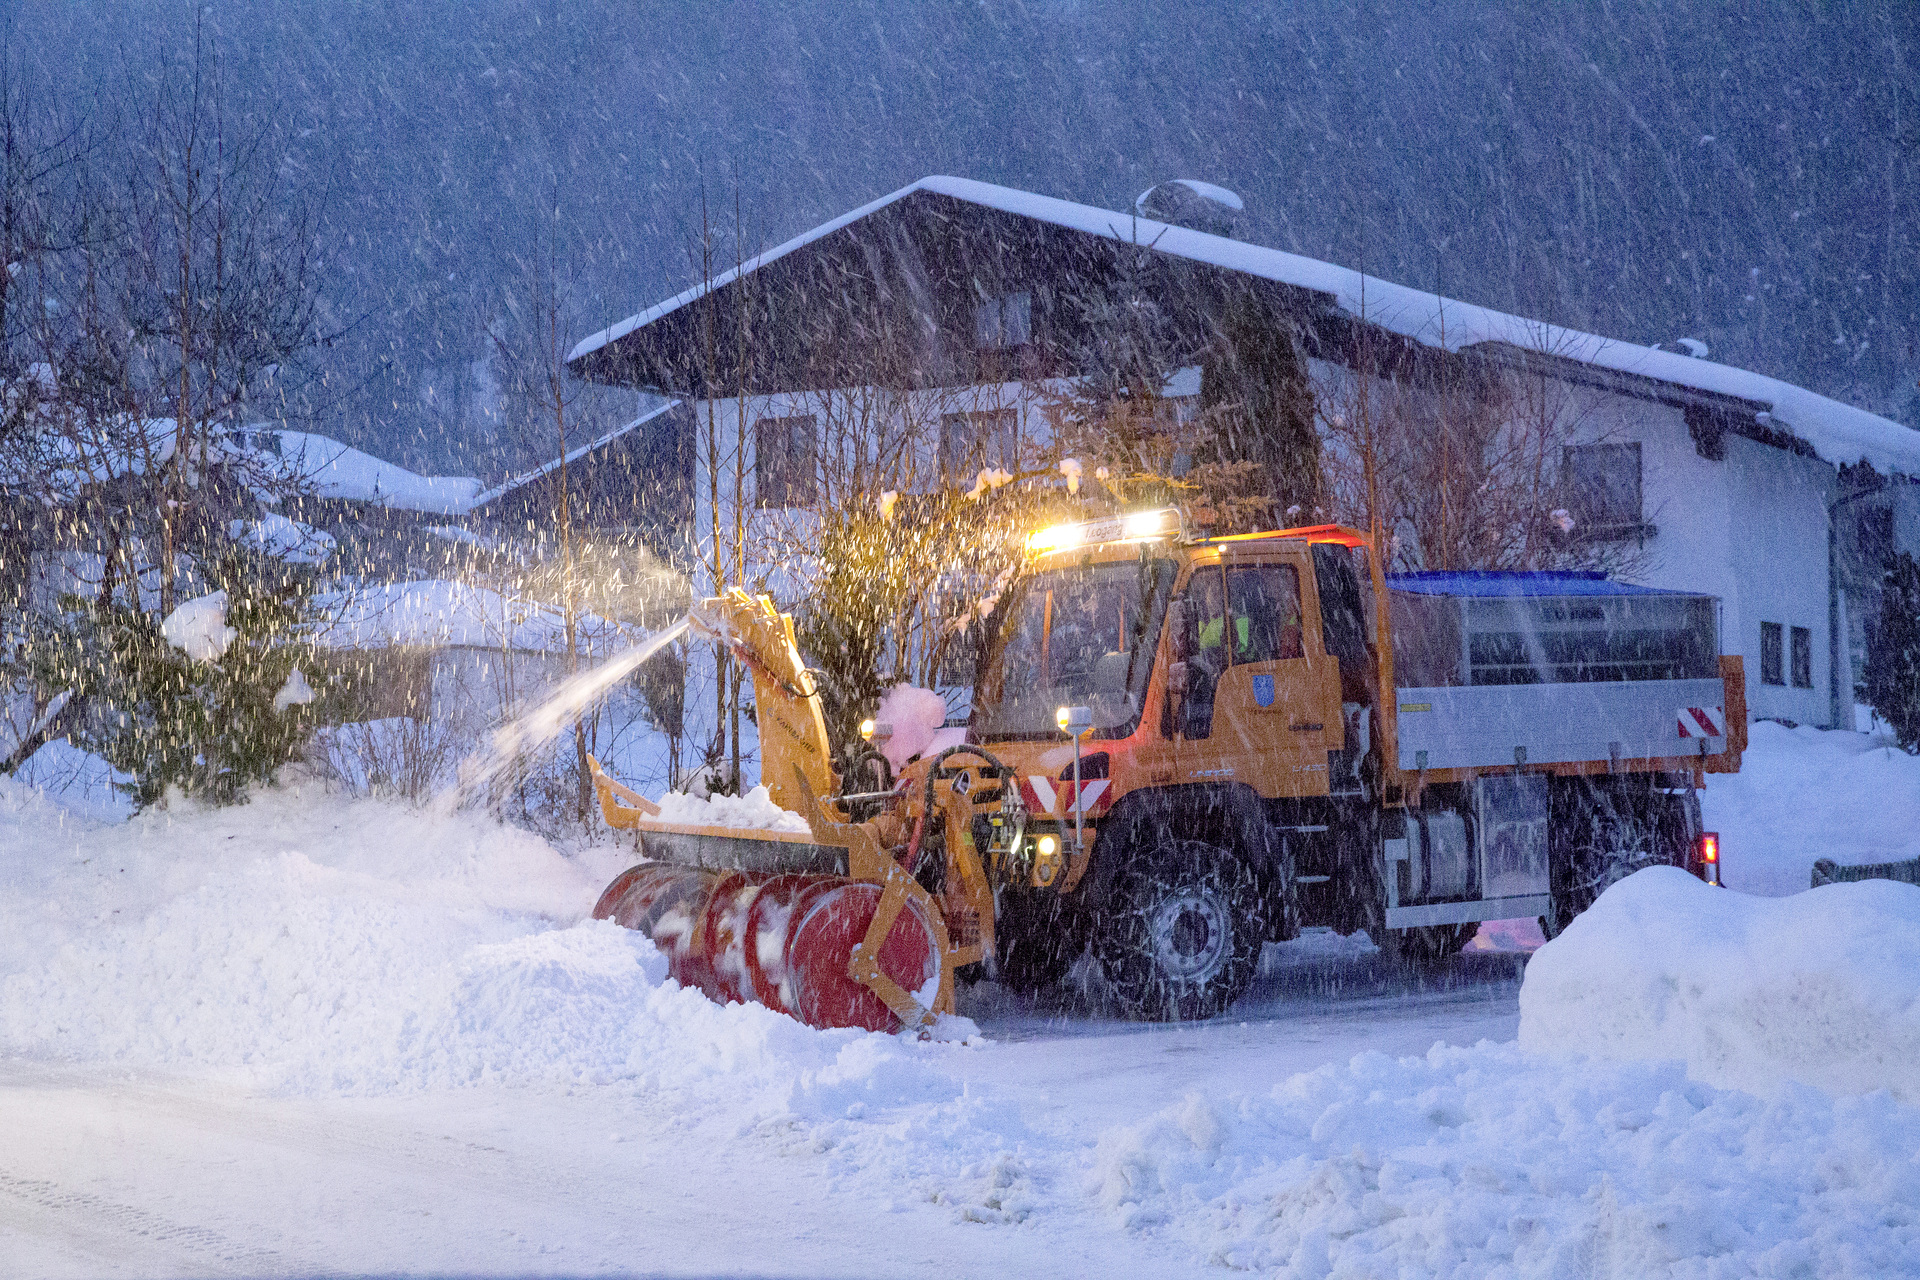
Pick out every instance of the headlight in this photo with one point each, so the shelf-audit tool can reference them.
(1048, 846)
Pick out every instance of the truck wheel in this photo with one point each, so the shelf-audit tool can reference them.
(1182, 931)
(1608, 851)
(1035, 940)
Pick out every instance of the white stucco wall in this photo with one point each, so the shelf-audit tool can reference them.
(778, 539)
(1751, 529)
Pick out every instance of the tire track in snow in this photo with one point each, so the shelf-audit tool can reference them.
(125, 1235)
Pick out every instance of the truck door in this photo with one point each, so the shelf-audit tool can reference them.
(1262, 703)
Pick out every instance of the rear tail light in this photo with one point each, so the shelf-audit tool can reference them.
(1709, 856)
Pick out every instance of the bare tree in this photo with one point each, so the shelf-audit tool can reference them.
(219, 264)
(1454, 462)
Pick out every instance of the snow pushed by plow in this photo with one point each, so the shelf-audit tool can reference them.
(1489, 1161)
(429, 982)
(311, 945)
(1822, 988)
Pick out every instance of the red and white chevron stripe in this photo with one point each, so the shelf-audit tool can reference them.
(1042, 794)
(1703, 722)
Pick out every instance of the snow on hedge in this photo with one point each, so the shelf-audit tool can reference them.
(1822, 988)
(199, 627)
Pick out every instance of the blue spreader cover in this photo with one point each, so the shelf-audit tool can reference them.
(1485, 583)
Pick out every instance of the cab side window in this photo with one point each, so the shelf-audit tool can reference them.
(1207, 615)
(1264, 600)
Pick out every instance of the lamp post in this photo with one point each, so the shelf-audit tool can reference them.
(1075, 722)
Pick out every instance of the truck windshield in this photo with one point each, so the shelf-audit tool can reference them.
(1073, 637)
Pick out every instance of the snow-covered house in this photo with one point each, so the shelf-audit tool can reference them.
(971, 301)
(635, 480)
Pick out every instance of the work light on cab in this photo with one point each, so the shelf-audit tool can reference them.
(1134, 526)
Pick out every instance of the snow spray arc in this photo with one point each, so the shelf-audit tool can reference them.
(482, 772)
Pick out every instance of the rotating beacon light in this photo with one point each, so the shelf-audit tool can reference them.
(1076, 723)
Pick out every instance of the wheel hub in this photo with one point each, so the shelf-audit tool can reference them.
(1191, 936)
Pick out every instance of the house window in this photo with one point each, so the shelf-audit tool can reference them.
(982, 438)
(1771, 657)
(784, 474)
(1602, 487)
(1802, 658)
(1003, 322)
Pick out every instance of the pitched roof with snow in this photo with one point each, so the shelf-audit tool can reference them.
(336, 470)
(1839, 433)
(572, 456)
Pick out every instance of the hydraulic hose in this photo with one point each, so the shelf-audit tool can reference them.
(1000, 770)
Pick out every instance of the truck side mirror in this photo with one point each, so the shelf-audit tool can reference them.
(1177, 680)
(1177, 628)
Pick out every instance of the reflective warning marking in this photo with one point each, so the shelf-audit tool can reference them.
(1703, 722)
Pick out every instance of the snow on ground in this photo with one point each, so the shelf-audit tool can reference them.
(313, 1034)
(1822, 988)
(1804, 794)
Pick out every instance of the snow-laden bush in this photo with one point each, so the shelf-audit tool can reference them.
(208, 700)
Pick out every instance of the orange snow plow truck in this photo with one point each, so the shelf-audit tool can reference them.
(1181, 748)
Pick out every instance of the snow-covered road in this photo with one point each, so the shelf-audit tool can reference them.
(315, 1036)
(107, 1173)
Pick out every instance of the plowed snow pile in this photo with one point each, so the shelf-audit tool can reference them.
(1542, 1159)
(1492, 1162)
(311, 944)
(314, 946)
(1822, 988)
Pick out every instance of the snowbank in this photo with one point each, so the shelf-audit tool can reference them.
(1805, 794)
(1492, 1162)
(312, 944)
(1750, 993)
(755, 811)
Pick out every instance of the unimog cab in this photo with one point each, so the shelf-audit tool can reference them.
(1252, 764)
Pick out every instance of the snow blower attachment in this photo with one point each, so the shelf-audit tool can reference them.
(854, 924)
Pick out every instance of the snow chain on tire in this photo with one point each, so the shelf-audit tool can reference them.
(1181, 935)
